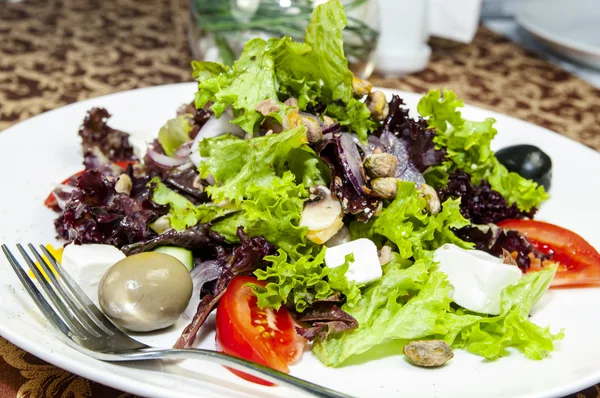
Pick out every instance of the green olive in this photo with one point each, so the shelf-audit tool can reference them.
(145, 291)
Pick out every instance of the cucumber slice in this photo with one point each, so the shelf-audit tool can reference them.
(181, 254)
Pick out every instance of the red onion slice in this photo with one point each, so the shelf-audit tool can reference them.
(164, 160)
(62, 193)
(334, 128)
(351, 161)
(184, 150)
(372, 143)
(202, 273)
(213, 128)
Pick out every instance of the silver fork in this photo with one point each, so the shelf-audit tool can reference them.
(89, 331)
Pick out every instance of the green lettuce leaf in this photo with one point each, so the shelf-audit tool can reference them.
(265, 179)
(302, 282)
(248, 83)
(404, 304)
(237, 164)
(355, 115)
(468, 146)
(308, 168)
(339, 283)
(315, 71)
(274, 213)
(490, 336)
(174, 133)
(321, 56)
(182, 212)
(307, 91)
(207, 70)
(412, 302)
(406, 223)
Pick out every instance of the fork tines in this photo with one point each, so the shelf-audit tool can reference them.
(63, 302)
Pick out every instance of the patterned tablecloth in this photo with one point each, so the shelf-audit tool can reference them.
(56, 52)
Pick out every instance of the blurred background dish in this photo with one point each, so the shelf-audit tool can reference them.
(556, 30)
(569, 28)
(219, 29)
(499, 8)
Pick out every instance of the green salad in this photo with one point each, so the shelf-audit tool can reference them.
(318, 211)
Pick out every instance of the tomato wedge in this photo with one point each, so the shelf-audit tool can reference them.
(579, 262)
(267, 337)
(51, 199)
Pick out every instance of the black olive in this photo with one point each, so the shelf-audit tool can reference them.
(528, 161)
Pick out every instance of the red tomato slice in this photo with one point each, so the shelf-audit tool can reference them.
(579, 261)
(51, 199)
(267, 337)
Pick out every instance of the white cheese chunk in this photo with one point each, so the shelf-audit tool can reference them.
(478, 278)
(86, 264)
(365, 268)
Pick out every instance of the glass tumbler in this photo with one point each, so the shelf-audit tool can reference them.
(220, 28)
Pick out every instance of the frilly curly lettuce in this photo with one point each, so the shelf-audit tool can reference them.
(237, 164)
(273, 212)
(412, 302)
(264, 180)
(406, 223)
(302, 282)
(468, 146)
(490, 336)
(313, 71)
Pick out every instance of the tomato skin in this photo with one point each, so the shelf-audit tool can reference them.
(51, 199)
(579, 262)
(266, 337)
(245, 376)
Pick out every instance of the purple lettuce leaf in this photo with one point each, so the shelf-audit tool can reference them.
(406, 170)
(183, 181)
(96, 213)
(493, 239)
(341, 154)
(95, 133)
(242, 259)
(324, 318)
(480, 203)
(194, 238)
(181, 178)
(417, 137)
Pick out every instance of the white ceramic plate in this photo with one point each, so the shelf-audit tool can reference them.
(40, 152)
(568, 27)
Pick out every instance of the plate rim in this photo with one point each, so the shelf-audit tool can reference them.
(543, 34)
(124, 383)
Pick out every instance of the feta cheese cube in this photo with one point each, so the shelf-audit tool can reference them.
(478, 278)
(87, 263)
(365, 268)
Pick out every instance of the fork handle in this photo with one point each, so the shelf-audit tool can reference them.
(240, 364)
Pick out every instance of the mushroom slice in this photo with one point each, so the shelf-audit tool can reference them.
(322, 215)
